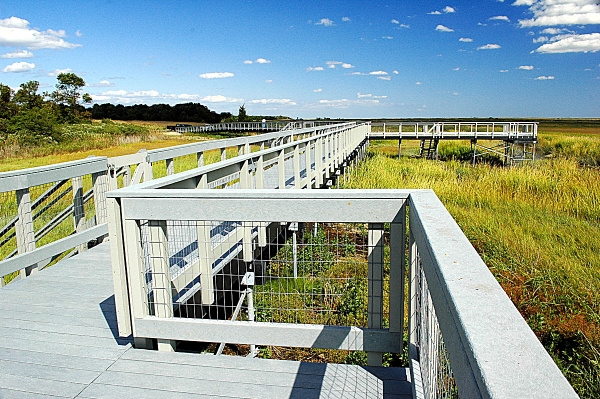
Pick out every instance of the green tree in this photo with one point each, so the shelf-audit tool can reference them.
(34, 126)
(242, 116)
(69, 97)
(27, 96)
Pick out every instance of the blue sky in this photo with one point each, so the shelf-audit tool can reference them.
(339, 59)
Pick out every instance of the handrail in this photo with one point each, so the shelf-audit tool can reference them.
(492, 351)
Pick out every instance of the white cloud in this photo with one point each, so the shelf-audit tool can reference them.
(319, 68)
(57, 72)
(572, 44)
(503, 70)
(325, 22)
(456, 69)
(384, 77)
(78, 33)
(526, 67)
(346, 19)
(387, 37)
(220, 99)
(333, 64)
(15, 32)
(541, 39)
(358, 73)
(281, 101)
(216, 75)
(378, 73)
(500, 18)
(489, 47)
(544, 78)
(262, 61)
(248, 62)
(404, 26)
(446, 10)
(269, 81)
(347, 66)
(18, 54)
(561, 12)
(442, 28)
(359, 95)
(318, 90)
(395, 21)
(418, 83)
(19, 67)
(395, 72)
(465, 40)
(102, 83)
(555, 31)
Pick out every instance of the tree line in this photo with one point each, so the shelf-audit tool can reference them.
(187, 112)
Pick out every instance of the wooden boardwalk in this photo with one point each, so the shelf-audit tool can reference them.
(58, 339)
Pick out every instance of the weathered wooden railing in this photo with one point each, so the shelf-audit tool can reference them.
(466, 338)
(40, 220)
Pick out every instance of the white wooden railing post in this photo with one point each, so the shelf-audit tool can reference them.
(375, 288)
(24, 228)
(200, 158)
(78, 209)
(161, 276)
(307, 162)
(170, 166)
(281, 169)
(297, 182)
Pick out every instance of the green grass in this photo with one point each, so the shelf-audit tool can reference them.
(536, 227)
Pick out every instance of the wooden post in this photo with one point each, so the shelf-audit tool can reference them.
(375, 291)
(281, 169)
(119, 272)
(397, 268)
(308, 165)
(24, 228)
(170, 166)
(414, 271)
(297, 167)
(78, 210)
(200, 157)
(161, 276)
(136, 276)
(223, 154)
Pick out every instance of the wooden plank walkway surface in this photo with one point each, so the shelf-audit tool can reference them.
(58, 339)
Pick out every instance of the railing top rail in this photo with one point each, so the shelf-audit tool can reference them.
(24, 178)
(184, 149)
(491, 348)
(178, 177)
(269, 205)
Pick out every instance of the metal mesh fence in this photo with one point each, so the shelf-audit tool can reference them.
(436, 372)
(314, 273)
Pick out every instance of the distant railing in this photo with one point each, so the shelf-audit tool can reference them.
(466, 338)
(526, 131)
(40, 220)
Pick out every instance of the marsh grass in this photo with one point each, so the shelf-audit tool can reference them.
(537, 229)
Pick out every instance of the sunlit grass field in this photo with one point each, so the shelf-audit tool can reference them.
(537, 227)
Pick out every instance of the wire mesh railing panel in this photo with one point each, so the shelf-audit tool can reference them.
(283, 272)
(436, 372)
